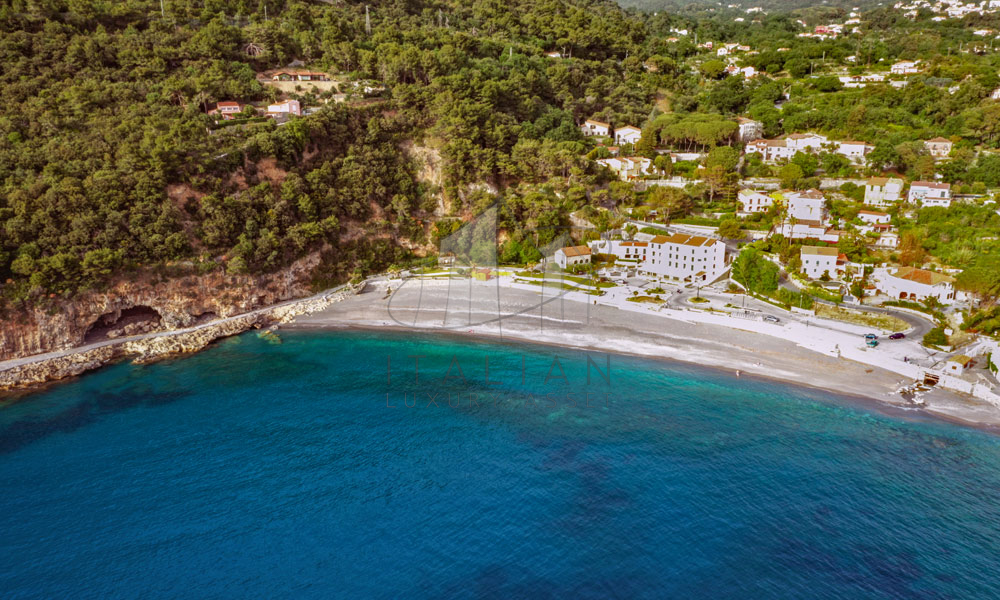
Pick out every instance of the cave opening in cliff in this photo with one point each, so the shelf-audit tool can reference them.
(123, 323)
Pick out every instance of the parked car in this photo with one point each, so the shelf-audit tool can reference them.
(897, 336)
(872, 343)
(772, 319)
(871, 336)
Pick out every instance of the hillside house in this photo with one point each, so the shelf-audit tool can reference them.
(854, 151)
(752, 201)
(883, 191)
(938, 147)
(870, 217)
(904, 67)
(628, 168)
(297, 75)
(286, 108)
(930, 193)
(592, 127)
(227, 110)
(911, 283)
(627, 135)
(807, 217)
(818, 260)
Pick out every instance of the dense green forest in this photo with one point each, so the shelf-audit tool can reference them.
(104, 110)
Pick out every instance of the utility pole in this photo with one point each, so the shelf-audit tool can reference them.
(368, 22)
(162, 12)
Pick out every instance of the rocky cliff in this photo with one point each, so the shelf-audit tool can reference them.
(147, 304)
(151, 347)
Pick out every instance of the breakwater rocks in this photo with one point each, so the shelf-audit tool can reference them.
(151, 347)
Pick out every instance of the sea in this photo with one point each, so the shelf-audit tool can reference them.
(358, 464)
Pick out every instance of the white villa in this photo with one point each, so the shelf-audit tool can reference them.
(627, 135)
(288, 107)
(628, 168)
(680, 257)
(904, 67)
(883, 191)
(572, 255)
(785, 148)
(938, 147)
(854, 151)
(930, 193)
(592, 127)
(871, 217)
(807, 217)
(911, 283)
(752, 201)
(817, 260)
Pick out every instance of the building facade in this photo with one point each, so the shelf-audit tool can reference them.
(883, 191)
(817, 260)
(917, 285)
(571, 256)
(930, 193)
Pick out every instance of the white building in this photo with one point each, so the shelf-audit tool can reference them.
(818, 260)
(930, 193)
(680, 257)
(750, 130)
(288, 107)
(752, 201)
(871, 217)
(883, 191)
(806, 206)
(807, 217)
(911, 283)
(888, 240)
(860, 81)
(770, 150)
(785, 148)
(801, 142)
(572, 256)
(854, 151)
(628, 168)
(938, 147)
(592, 127)
(904, 67)
(627, 135)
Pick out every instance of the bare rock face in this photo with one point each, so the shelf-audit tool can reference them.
(146, 304)
(149, 349)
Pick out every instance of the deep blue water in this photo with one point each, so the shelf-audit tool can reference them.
(262, 470)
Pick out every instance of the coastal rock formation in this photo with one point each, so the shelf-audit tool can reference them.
(147, 304)
(151, 347)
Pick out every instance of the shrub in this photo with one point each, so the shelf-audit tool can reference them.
(936, 337)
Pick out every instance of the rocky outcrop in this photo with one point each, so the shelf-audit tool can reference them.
(178, 302)
(151, 347)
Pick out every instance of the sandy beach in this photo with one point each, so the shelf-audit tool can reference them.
(546, 316)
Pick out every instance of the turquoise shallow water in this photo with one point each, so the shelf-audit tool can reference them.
(261, 470)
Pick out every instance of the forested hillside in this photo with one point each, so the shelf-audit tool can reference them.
(109, 164)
